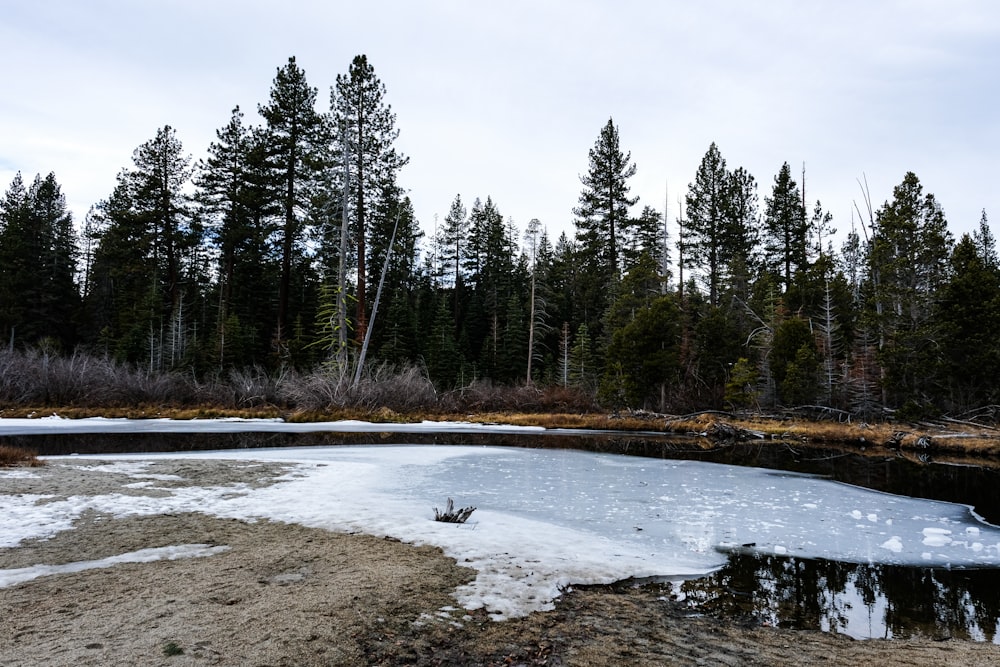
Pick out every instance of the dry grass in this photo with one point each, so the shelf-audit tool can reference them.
(772, 428)
(940, 438)
(382, 415)
(18, 456)
(590, 420)
(141, 412)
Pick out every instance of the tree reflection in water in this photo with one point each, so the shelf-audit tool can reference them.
(859, 600)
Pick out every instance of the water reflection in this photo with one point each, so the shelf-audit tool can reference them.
(860, 600)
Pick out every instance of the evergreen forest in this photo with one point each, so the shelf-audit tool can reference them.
(292, 246)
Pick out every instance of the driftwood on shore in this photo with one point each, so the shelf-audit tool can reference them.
(451, 515)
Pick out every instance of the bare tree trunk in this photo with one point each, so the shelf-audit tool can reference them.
(378, 297)
(342, 269)
(361, 324)
(531, 327)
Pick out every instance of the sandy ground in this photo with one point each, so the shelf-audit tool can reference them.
(288, 595)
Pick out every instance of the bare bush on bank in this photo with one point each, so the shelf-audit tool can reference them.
(37, 379)
(330, 388)
(18, 456)
(483, 396)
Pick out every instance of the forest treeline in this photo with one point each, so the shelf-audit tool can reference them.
(293, 247)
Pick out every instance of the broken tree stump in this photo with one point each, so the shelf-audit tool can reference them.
(451, 515)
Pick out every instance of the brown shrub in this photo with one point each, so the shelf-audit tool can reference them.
(483, 396)
(380, 387)
(18, 456)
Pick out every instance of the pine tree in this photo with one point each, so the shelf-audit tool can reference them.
(705, 231)
(494, 275)
(443, 358)
(398, 343)
(38, 292)
(583, 370)
(986, 243)
(820, 229)
(257, 270)
(602, 220)
(239, 206)
(367, 123)
(741, 236)
(741, 389)
(15, 257)
(563, 306)
(852, 261)
(967, 311)
(643, 356)
(907, 263)
(454, 238)
(799, 386)
(720, 231)
(786, 230)
(297, 137)
(328, 323)
(513, 355)
(54, 268)
(121, 301)
(643, 234)
(161, 175)
(794, 351)
(717, 343)
(146, 274)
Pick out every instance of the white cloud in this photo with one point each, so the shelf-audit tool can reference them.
(506, 100)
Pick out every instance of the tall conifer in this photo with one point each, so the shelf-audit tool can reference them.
(297, 138)
(363, 119)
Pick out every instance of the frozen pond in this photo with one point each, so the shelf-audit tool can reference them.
(783, 547)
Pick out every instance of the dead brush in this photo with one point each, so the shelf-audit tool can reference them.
(451, 515)
(18, 456)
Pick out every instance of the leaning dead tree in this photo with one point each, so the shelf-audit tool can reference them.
(378, 296)
(451, 515)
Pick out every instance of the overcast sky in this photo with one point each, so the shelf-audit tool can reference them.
(506, 99)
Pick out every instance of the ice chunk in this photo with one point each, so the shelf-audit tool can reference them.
(895, 545)
(937, 537)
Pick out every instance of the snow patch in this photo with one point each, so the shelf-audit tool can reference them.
(936, 537)
(895, 545)
(23, 574)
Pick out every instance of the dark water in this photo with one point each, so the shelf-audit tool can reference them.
(861, 600)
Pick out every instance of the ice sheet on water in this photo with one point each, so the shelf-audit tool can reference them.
(549, 518)
(673, 507)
